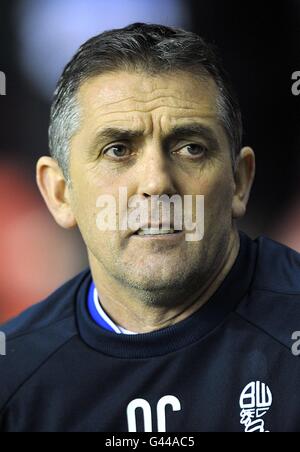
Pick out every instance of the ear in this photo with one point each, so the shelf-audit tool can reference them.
(55, 191)
(244, 178)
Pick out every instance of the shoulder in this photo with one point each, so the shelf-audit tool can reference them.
(56, 307)
(35, 335)
(278, 267)
(273, 301)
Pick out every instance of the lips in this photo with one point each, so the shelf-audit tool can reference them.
(159, 229)
(155, 231)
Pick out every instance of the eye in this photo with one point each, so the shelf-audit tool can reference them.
(117, 151)
(193, 150)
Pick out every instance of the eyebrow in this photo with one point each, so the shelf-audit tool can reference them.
(177, 133)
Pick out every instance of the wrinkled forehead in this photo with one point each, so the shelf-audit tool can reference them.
(124, 95)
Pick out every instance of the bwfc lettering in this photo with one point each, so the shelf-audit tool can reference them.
(255, 401)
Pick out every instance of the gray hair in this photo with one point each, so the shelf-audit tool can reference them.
(154, 49)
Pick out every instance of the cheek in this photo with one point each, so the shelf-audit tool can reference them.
(213, 187)
(95, 209)
(218, 194)
(84, 203)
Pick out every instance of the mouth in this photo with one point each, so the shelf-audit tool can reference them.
(156, 233)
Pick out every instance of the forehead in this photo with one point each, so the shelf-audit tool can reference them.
(128, 96)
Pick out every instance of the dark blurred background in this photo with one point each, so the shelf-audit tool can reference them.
(260, 45)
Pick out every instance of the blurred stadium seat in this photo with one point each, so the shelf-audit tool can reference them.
(36, 255)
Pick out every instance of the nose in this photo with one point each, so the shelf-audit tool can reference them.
(155, 175)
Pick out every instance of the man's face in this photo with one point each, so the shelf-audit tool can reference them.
(150, 164)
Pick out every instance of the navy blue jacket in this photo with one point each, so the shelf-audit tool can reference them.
(230, 367)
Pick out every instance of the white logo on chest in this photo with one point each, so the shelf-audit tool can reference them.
(255, 401)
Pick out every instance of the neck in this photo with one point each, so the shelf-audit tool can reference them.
(131, 309)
